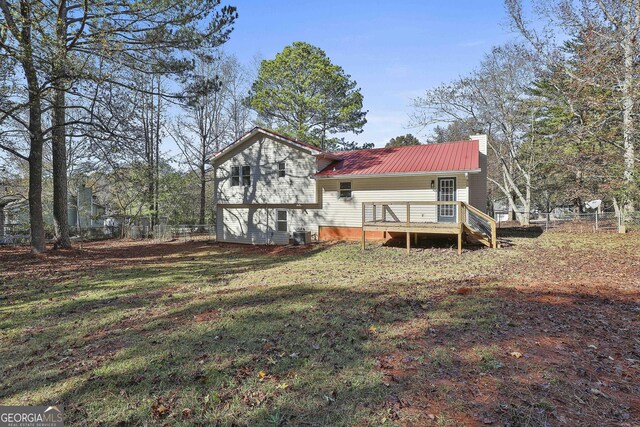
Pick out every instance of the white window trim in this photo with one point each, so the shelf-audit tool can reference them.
(239, 176)
(242, 175)
(341, 190)
(278, 221)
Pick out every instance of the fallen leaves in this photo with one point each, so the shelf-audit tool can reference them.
(163, 406)
(516, 354)
(186, 413)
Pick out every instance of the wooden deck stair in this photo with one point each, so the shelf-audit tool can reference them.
(466, 221)
(478, 236)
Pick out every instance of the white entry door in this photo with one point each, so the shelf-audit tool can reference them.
(446, 193)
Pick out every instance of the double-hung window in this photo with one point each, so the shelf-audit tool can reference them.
(345, 190)
(282, 171)
(240, 175)
(235, 176)
(246, 176)
(281, 221)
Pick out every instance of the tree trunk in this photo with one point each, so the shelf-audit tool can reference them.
(627, 115)
(1, 220)
(59, 157)
(58, 137)
(203, 193)
(36, 222)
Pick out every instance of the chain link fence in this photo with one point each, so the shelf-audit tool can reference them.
(18, 235)
(165, 233)
(95, 233)
(14, 234)
(632, 221)
(566, 221)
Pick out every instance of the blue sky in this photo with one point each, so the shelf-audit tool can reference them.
(394, 50)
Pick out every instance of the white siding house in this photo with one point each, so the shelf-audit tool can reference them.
(268, 186)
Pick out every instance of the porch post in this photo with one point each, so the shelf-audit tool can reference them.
(363, 232)
(461, 216)
(408, 225)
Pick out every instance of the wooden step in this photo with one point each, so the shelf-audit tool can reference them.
(479, 237)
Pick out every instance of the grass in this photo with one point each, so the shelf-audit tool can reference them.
(230, 335)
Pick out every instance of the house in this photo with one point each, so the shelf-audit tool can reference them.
(83, 211)
(267, 186)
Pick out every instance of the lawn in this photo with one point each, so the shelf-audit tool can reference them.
(545, 331)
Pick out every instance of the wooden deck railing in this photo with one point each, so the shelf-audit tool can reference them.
(452, 217)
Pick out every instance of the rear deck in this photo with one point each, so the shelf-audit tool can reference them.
(429, 217)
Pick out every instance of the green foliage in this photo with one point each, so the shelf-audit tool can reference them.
(304, 95)
(178, 197)
(578, 127)
(341, 144)
(403, 140)
(457, 130)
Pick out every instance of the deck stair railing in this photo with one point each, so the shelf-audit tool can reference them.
(480, 226)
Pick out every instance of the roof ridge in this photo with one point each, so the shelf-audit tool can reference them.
(297, 141)
(406, 146)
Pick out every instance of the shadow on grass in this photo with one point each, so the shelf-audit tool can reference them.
(152, 261)
(155, 342)
(497, 355)
(237, 338)
(530, 232)
(431, 241)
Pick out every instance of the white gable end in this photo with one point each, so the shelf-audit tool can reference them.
(264, 156)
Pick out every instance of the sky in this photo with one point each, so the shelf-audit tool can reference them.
(394, 50)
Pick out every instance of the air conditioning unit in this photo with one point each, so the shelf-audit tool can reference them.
(301, 237)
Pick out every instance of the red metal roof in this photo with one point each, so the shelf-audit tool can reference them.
(447, 156)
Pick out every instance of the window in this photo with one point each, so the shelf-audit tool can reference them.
(246, 176)
(282, 221)
(282, 172)
(345, 190)
(235, 176)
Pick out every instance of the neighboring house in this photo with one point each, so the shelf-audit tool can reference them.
(268, 185)
(83, 211)
(13, 216)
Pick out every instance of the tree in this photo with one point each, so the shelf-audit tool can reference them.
(304, 95)
(403, 140)
(457, 130)
(213, 115)
(611, 29)
(151, 112)
(17, 44)
(66, 42)
(579, 125)
(495, 98)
